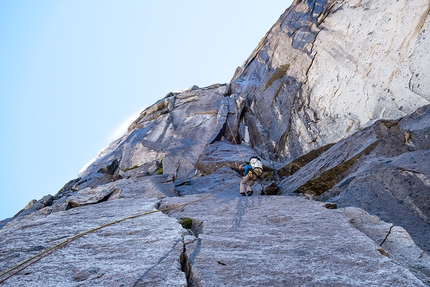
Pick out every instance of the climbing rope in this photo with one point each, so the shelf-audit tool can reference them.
(27, 263)
(234, 140)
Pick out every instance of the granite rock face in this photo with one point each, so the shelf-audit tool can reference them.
(136, 252)
(334, 100)
(233, 241)
(175, 129)
(296, 244)
(382, 169)
(327, 69)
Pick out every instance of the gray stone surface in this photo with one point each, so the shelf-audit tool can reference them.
(320, 101)
(321, 174)
(382, 169)
(394, 241)
(221, 154)
(173, 131)
(281, 241)
(327, 69)
(144, 251)
(234, 241)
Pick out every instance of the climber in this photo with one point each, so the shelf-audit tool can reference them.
(248, 179)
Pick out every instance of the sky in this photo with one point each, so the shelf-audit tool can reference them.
(74, 74)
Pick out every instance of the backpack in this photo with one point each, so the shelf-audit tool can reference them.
(257, 166)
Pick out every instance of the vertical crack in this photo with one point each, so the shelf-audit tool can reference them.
(187, 257)
(322, 16)
(187, 263)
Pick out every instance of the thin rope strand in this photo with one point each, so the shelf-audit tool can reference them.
(234, 140)
(56, 247)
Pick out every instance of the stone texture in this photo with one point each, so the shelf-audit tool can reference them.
(233, 241)
(382, 169)
(394, 242)
(36, 205)
(223, 153)
(281, 241)
(137, 185)
(327, 101)
(173, 131)
(327, 69)
(143, 251)
(321, 174)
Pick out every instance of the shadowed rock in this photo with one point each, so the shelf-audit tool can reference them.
(321, 174)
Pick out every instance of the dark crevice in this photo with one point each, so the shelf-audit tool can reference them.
(187, 260)
(328, 179)
(321, 17)
(310, 65)
(111, 168)
(186, 267)
(301, 161)
(70, 205)
(157, 205)
(114, 194)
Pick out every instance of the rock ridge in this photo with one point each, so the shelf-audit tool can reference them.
(334, 100)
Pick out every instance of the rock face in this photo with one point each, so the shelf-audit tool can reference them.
(382, 169)
(334, 100)
(133, 253)
(175, 129)
(233, 241)
(295, 244)
(327, 69)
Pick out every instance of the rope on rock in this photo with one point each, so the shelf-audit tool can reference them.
(386, 236)
(234, 140)
(27, 263)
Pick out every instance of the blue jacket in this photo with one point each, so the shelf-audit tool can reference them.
(247, 168)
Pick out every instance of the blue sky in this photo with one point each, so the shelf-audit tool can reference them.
(73, 73)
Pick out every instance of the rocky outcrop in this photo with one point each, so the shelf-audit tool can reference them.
(234, 241)
(173, 131)
(231, 250)
(327, 101)
(138, 252)
(327, 69)
(382, 169)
